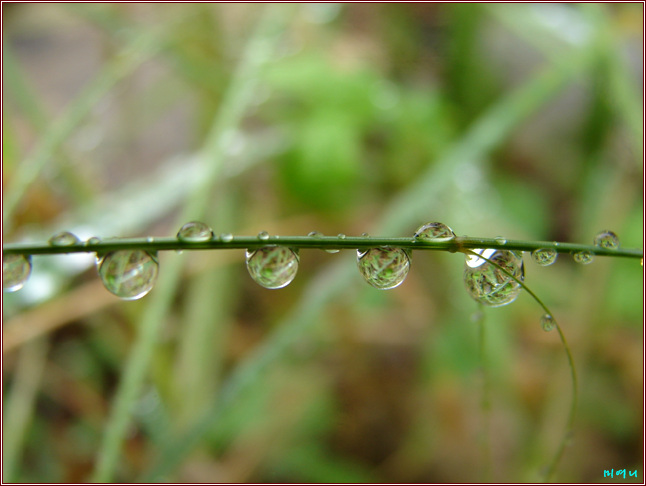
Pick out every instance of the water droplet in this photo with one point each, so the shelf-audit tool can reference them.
(129, 274)
(15, 271)
(150, 239)
(365, 235)
(500, 240)
(334, 250)
(194, 232)
(544, 256)
(434, 232)
(547, 322)
(94, 240)
(383, 268)
(226, 237)
(315, 234)
(263, 235)
(583, 257)
(607, 239)
(488, 284)
(273, 267)
(341, 236)
(64, 238)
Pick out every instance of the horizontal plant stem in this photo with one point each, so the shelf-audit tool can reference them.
(460, 243)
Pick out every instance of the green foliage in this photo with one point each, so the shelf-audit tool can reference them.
(130, 120)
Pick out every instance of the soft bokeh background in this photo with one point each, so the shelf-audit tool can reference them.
(516, 120)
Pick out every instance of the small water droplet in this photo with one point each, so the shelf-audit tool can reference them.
(150, 239)
(383, 268)
(128, 274)
(273, 267)
(315, 234)
(487, 283)
(263, 235)
(434, 232)
(333, 250)
(194, 232)
(607, 239)
(94, 240)
(544, 256)
(64, 238)
(365, 235)
(226, 237)
(583, 257)
(15, 271)
(341, 236)
(547, 322)
(500, 240)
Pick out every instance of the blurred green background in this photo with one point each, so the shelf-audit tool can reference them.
(517, 120)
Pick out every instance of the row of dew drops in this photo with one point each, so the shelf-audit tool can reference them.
(130, 274)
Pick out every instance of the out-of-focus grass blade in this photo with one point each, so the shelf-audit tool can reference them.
(142, 48)
(20, 404)
(236, 100)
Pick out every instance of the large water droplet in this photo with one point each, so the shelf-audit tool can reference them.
(64, 238)
(547, 322)
(544, 256)
(584, 257)
(487, 283)
(607, 239)
(263, 235)
(273, 267)
(434, 232)
(383, 268)
(15, 271)
(194, 232)
(129, 274)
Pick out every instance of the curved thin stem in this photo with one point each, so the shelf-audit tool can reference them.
(569, 426)
(223, 242)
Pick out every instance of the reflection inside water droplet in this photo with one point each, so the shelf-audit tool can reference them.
(434, 232)
(383, 268)
(273, 267)
(606, 239)
(64, 238)
(15, 271)
(488, 284)
(194, 232)
(544, 256)
(547, 322)
(583, 257)
(128, 274)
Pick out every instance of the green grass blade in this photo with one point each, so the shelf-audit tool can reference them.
(569, 426)
(142, 48)
(236, 100)
(18, 411)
